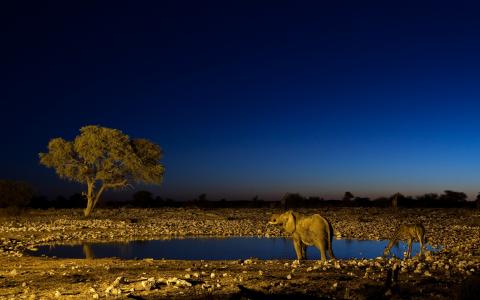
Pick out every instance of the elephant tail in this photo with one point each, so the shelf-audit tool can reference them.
(330, 237)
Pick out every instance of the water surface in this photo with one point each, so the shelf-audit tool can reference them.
(218, 249)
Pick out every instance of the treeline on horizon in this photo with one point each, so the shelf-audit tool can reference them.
(20, 194)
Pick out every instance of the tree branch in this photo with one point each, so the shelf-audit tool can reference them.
(115, 185)
(97, 196)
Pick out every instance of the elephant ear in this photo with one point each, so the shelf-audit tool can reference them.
(290, 224)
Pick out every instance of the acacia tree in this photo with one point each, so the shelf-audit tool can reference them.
(104, 158)
(348, 196)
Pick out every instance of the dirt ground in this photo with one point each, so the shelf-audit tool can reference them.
(452, 273)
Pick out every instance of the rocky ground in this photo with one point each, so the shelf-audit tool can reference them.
(452, 273)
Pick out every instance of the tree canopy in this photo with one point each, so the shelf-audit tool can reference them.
(104, 158)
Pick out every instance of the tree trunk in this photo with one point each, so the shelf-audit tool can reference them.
(92, 197)
(90, 205)
(90, 200)
(97, 196)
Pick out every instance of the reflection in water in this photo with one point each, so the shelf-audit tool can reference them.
(87, 251)
(126, 249)
(218, 249)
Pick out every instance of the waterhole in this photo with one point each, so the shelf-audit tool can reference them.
(218, 249)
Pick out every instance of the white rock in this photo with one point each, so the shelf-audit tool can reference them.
(118, 281)
(149, 284)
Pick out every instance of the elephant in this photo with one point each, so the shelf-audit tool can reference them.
(306, 231)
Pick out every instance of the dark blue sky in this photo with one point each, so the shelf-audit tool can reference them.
(251, 97)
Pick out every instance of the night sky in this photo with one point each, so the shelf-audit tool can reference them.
(251, 97)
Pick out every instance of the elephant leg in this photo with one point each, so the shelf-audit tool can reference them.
(330, 249)
(409, 251)
(321, 246)
(330, 253)
(298, 247)
(304, 251)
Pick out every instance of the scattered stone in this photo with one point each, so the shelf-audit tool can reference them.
(445, 228)
(149, 284)
(119, 280)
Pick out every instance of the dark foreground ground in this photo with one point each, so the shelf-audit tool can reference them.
(452, 273)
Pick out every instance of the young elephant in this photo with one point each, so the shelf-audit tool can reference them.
(408, 232)
(306, 231)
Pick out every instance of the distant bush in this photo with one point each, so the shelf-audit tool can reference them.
(291, 200)
(453, 199)
(14, 193)
(76, 200)
(143, 199)
(348, 196)
(39, 202)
